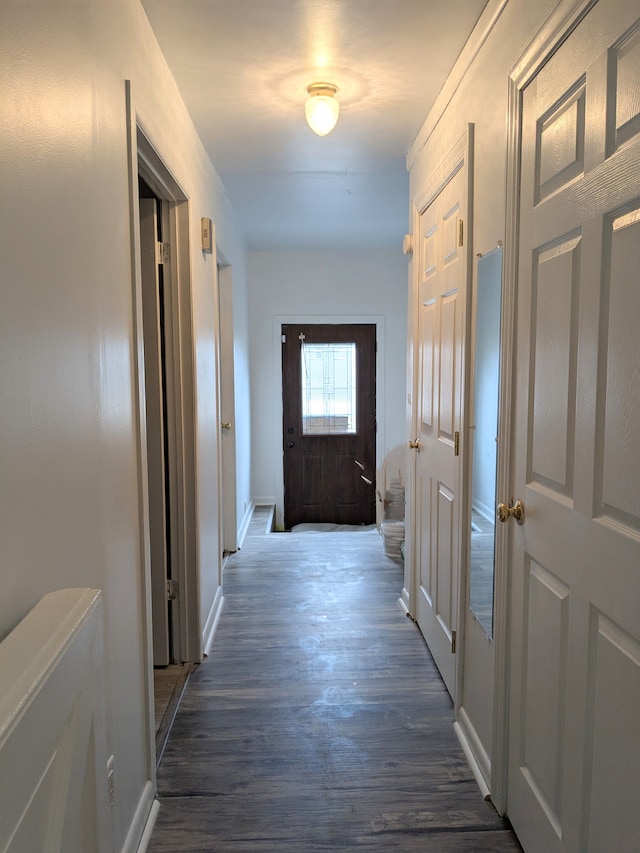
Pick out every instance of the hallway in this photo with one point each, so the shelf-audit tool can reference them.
(319, 721)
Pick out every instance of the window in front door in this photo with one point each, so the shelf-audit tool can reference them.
(328, 380)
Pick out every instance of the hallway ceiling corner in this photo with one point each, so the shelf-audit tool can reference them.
(243, 68)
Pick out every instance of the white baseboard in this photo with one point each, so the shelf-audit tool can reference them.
(212, 621)
(244, 524)
(146, 811)
(475, 753)
(148, 829)
(246, 521)
(405, 601)
(487, 512)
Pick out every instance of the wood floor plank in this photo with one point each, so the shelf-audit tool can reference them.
(319, 721)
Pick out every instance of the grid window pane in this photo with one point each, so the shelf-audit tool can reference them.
(328, 389)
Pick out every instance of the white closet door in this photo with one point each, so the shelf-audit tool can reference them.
(442, 295)
(574, 746)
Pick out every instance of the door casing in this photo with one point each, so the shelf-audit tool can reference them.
(144, 161)
(180, 427)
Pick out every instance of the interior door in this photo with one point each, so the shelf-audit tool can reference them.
(329, 423)
(227, 411)
(442, 294)
(154, 396)
(574, 749)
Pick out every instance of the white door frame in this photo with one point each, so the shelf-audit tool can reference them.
(557, 28)
(180, 427)
(143, 160)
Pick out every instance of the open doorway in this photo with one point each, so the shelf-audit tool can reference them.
(164, 371)
(155, 376)
(170, 673)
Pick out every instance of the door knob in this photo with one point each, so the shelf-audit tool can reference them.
(225, 425)
(415, 445)
(505, 512)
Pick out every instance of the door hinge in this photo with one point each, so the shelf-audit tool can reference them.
(162, 253)
(456, 444)
(172, 590)
(453, 642)
(460, 232)
(283, 339)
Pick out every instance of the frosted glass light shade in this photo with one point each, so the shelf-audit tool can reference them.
(321, 108)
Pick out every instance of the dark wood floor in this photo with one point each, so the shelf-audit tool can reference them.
(319, 722)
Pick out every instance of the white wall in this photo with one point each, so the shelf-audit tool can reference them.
(69, 495)
(358, 284)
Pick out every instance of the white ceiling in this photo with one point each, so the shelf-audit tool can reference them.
(243, 66)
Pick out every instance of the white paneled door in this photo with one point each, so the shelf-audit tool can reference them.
(574, 694)
(442, 293)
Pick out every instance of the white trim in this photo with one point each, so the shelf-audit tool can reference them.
(470, 51)
(465, 149)
(558, 26)
(141, 446)
(402, 604)
(142, 815)
(504, 454)
(405, 601)
(458, 156)
(474, 753)
(244, 524)
(148, 827)
(410, 590)
(211, 622)
(181, 429)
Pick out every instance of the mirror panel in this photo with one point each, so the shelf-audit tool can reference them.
(485, 433)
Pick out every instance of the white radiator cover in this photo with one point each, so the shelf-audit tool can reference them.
(53, 782)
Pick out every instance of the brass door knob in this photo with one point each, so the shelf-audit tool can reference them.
(505, 512)
(225, 425)
(415, 445)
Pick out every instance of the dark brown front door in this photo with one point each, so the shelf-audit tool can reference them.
(329, 423)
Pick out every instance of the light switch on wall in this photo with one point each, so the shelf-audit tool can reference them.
(205, 234)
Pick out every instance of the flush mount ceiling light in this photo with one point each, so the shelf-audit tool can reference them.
(321, 108)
